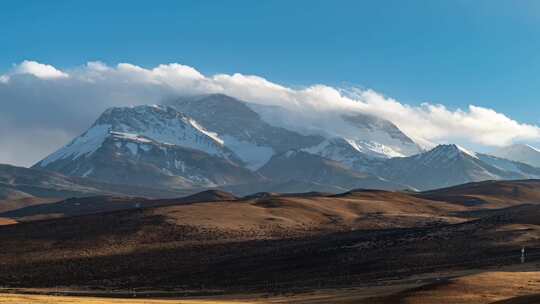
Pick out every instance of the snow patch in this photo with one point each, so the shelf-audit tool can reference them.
(212, 135)
(166, 126)
(130, 136)
(252, 155)
(288, 154)
(88, 172)
(470, 153)
(178, 164)
(336, 149)
(84, 145)
(374, 149)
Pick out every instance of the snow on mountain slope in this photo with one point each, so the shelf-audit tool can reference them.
(149, 145)
(379, 137)
(346, 152)
(369, 135)
(241, 129)
(85, 144)
(253, 155)
(370, 141)
(131, 160)
(203, 141)
(165, 125)
(216, 140)
(448, 165)
(443, 155)
(527, 171)
(250, 131)
(521, 153)
(173, 166)
(143, 123)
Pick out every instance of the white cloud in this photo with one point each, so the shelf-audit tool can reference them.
(39, 70)
(435, 122)
(64, 103)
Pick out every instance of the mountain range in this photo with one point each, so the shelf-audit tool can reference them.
(216, 141)
(18, 183)
(521, 153)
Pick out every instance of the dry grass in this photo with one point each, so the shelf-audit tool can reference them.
(40, 299)
(7, 221)
(212, 244)
(341, 296)
(485, 287)
(511, 286)
(362, 210)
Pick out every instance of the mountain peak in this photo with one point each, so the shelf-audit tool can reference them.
(521, 147)
(118, 115)
(147, 125)
(450, 164)
(531, 147)
(520, 152)
(449, 151)
(217, 140)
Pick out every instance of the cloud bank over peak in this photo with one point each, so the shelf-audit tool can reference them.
(435, 122)
(47, 106)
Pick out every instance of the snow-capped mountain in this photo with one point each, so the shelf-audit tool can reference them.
(346, 152)
(241, 129)
(370, 135)
(524, 170)
(152, 146)
(378, 137)
(216, 141)
(521, 153)
(373, 141)
(448, 165)
(254, 140)
(141, 124)
(212, 140)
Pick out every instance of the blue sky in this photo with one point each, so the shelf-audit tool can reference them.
(450, 52)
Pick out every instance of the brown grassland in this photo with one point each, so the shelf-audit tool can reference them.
(455, 245)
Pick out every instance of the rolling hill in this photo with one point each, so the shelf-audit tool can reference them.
(276, 241)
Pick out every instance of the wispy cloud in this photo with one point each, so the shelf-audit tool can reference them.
(39, 100)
